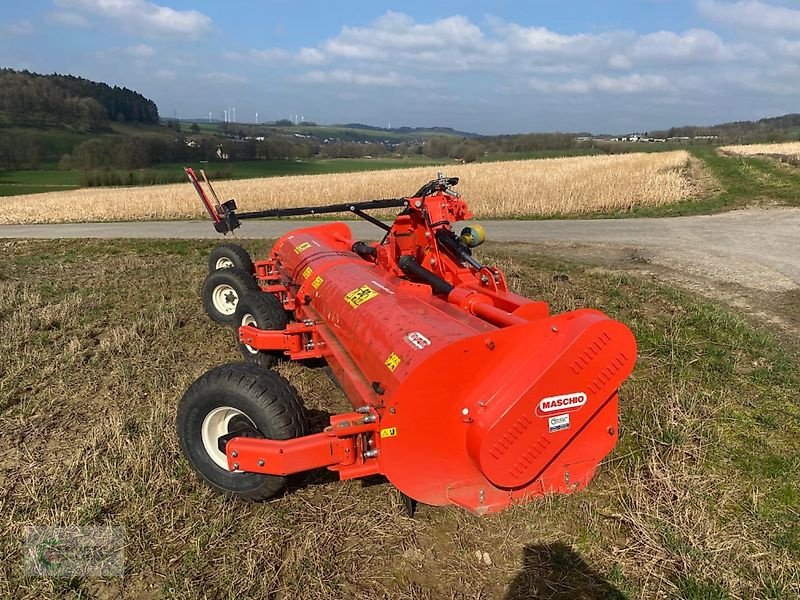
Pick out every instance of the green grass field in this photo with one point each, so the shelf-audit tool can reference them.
(51, 179)
(28, 181)
(727, 182)
(735, 182)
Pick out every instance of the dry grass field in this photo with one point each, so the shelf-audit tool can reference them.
(699, 500)
(560, 186)
(787, 149)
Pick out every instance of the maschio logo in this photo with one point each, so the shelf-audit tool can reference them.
(565, 403)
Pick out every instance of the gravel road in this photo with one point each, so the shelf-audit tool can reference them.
(756, 248)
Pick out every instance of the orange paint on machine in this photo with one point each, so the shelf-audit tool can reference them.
(463, 392)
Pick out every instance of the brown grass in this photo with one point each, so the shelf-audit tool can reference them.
(559, 186)
(699, 500)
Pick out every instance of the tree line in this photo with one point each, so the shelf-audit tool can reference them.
(51, 101)
(471, 149)
(771, 129)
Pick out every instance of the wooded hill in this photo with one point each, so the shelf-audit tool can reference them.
(785, 127)
(52, 101)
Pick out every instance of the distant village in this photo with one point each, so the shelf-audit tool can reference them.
(644, 138)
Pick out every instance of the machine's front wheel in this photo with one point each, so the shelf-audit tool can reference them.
(226, 256)
(222, 290)
(230, 398)
(263, 311)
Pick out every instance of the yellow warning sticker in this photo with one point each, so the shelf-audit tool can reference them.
(392, 362)
(307, 272)
(317, 282)
(301, 247)
(389, 432)
(360, 295)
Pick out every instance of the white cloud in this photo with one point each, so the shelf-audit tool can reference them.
(140, 51)
(752, 14)
(619, 61)
(543, 44)
(138, 56)
(789, 48)
(453, 43)
(222, 78)
(304, 56)
(695, 45)
(23, 27)
(456, 44)
(627, 84)
(487, 75)
(166, 74)
(140, 16)
(69, 19)
(390, 79)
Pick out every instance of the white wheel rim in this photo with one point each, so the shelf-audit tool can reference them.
(215, 425)
(249, 319)
(224, 263)
(224, 298)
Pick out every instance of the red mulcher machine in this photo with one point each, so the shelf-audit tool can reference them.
(463, 392)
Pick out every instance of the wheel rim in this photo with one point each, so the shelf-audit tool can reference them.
(224, 263)
(249, 319)
(224, 298)
(214, 426)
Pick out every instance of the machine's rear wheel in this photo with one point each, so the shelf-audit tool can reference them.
(231, 398)
(226, 256)
(222, 290)
(263, 311)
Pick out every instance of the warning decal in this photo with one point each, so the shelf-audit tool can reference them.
(360, 295)
(392, 362)
(301, 247)
(389, 432)
(307, 273)
(317, 282)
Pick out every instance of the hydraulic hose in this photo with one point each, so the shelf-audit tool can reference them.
(471, 301)
(412, 268)
(364, 250)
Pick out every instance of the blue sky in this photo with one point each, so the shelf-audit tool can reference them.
(491, 67)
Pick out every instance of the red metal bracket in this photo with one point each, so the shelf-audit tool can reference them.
(341, 447)
(299, 341)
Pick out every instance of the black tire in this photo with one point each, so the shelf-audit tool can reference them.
(226, 256)
(263, 311)
(265, 398)
(222, 290)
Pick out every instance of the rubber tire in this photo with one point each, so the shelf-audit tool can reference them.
(267, 399)
(239, 280)
(269, 314)
(233, 252)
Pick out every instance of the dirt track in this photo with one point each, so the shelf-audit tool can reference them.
(754, 248)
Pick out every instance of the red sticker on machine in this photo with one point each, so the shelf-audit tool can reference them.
(562, 403)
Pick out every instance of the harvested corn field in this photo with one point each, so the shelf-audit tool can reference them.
(514, 189)
(788, 149)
